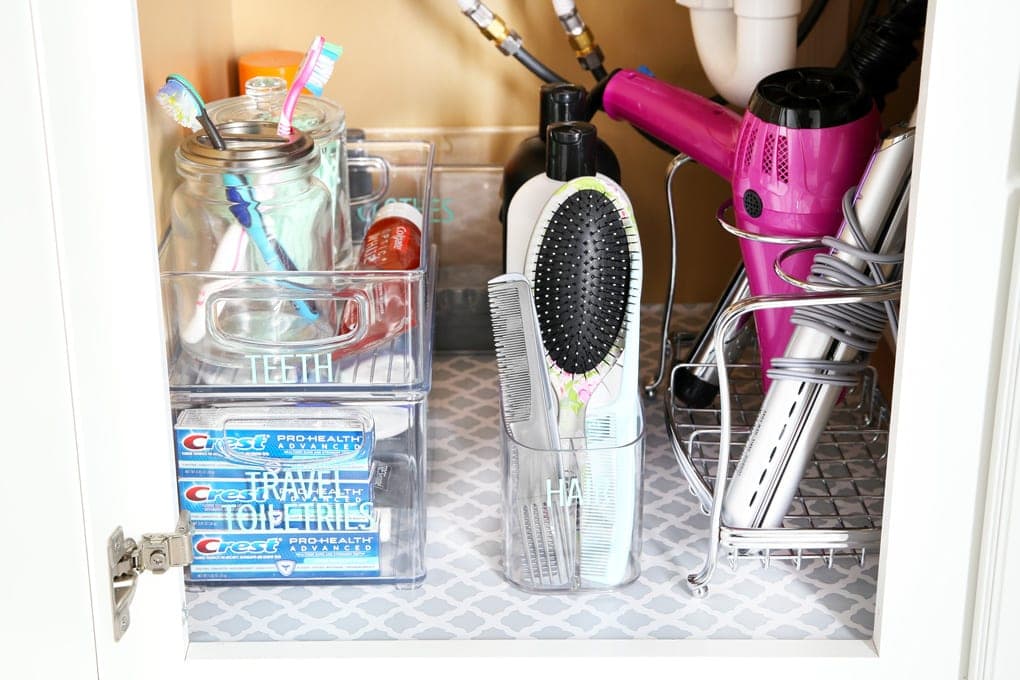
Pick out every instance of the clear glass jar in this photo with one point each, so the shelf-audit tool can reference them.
(253, 207)
(321, 118)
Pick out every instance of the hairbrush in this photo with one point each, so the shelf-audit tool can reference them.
(584, 266)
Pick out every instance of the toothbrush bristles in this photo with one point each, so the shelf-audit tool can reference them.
(320, 76)
(312, 76)
(179, 103)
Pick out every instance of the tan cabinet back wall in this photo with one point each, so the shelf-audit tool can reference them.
(421, 63)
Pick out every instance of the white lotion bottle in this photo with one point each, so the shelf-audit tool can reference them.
(608, 460)
(568, 155)
(558, 103)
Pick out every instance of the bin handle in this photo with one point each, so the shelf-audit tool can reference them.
(238, 343)
(379, 164)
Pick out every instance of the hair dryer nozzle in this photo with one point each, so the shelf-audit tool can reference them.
(695, 125)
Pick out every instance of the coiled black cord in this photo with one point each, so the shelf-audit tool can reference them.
(884, 47)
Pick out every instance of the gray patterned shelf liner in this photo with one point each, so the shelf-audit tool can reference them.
(464, 596)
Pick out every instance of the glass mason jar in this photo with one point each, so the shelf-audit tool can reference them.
(253, 207)
(321, 118)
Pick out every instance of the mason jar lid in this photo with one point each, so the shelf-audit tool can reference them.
(251, 146)
(318, 116)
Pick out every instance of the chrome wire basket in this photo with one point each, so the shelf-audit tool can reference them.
(824, 414)
(837, 511)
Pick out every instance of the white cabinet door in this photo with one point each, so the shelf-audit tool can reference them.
(88, 287)
(994, 652)
(39, 488)
(90, 320)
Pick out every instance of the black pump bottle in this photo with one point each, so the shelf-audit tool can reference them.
(558, 103)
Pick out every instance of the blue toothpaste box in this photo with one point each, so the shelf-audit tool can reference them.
(282, 556)
(225, 443)
(309, 500)
(278, 492)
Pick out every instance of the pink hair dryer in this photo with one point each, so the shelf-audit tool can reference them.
(805, 138)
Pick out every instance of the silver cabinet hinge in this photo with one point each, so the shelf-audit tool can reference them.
(129, 558)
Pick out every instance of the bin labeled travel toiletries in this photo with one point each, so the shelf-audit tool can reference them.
(328, 491)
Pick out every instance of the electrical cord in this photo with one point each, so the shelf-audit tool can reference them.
(857, 325)
(810, 19)
(867, 12)
(883, 46)
(537, 67)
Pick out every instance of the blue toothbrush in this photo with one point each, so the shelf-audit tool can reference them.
(181, 100)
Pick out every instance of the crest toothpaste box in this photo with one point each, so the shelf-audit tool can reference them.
(278, 493)
(225, 442)
(299, 500)
(275, 556)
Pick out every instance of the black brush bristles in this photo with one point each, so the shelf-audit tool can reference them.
(582, 281)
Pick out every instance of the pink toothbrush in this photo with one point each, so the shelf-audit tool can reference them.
(316, 68)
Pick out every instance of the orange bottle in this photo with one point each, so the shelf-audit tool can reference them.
(280, 63)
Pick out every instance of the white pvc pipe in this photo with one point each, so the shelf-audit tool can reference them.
(739, 42)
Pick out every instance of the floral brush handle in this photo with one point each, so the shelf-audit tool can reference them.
(574, 392)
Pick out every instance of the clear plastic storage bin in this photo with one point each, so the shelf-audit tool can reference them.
(301, 447)
(250, 344)
(572, 517)
(467, 181)
(283, 491)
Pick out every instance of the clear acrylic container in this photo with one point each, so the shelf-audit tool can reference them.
(284, 490)
(572, 517)
(303, 457)
(321, 118)
(285, 350)
(254, 206)
(465, 222)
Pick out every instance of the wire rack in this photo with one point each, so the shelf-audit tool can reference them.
(837, 511)
(838, 506)
(842, 488)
